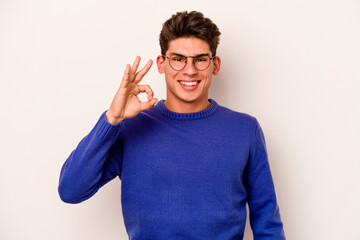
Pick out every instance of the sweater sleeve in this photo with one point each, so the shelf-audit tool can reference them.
(265, 218)
(96, 160)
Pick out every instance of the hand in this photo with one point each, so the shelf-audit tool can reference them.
(126, 103)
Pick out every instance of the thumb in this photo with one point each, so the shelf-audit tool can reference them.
(148, 104)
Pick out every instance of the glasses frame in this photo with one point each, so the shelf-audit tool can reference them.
(193, 61)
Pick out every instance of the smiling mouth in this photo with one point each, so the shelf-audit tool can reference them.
(193, 83)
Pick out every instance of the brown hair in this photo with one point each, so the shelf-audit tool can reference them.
(189, 24)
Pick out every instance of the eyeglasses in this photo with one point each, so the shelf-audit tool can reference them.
(178, 62)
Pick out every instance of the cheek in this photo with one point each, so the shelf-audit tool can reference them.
(170, 74)
(208, 76)
(170, 77)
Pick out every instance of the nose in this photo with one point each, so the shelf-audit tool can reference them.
(189, 68)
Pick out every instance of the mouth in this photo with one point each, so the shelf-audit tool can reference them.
(189, 83)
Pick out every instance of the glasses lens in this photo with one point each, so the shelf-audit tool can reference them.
(202, 62)
(177, 62)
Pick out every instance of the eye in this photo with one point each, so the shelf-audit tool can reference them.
(201, 59)
(177, 59)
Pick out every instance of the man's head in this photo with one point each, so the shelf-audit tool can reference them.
(189, 24)
(188, 59)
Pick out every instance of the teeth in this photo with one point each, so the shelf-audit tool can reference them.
(189, 83)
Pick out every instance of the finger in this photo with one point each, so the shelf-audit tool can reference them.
(139, 76)
(126, 76)
(148, 104)
(135, 66)
(147, 89)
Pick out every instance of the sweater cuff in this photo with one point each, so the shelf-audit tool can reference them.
(106, 130)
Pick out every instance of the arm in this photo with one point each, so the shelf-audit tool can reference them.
(95, 161)
(98, 157)
(265, 218)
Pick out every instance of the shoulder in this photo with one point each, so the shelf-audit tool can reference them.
(142, 122)
(242, 125)
(236, 117)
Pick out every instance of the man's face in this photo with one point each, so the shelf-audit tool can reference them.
(188, 85)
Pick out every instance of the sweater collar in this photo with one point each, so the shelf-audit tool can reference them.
(160, 106)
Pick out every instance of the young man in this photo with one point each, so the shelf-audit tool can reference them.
(187, 165)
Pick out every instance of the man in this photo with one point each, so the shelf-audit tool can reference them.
(187, 165)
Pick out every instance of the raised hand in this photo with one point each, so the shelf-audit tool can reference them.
(126, 103)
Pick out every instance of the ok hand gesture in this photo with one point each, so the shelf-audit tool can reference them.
(126, 103)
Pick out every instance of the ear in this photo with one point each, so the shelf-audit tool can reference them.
(217, 65)
(160, 64)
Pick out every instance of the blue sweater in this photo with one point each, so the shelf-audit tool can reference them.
(184, 175)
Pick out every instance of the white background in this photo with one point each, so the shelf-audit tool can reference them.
(292, 64)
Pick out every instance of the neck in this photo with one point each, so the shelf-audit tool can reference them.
(186, 107)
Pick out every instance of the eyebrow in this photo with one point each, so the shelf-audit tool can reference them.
(198, 55)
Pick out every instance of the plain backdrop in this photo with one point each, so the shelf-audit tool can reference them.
(294, 65)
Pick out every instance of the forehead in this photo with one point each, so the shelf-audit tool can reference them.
(188, 46)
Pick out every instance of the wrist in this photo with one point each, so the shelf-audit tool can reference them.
(112, 120)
